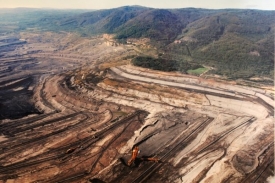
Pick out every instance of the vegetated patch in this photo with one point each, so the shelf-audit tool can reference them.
(164, 64)
(197, 71)
(155, 63)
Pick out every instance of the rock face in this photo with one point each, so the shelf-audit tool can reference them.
(199, 130)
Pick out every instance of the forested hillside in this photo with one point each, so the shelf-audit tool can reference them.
(233, 43)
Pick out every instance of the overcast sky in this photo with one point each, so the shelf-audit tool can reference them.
(106, 4)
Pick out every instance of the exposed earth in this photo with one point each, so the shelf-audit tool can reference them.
(72, 109)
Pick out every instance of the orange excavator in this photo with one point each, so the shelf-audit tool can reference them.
(135, 152)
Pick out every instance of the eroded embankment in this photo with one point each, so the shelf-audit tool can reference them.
(75, 138)
(228, 147)
(199, 132)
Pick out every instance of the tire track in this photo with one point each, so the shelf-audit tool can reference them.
(153, 168)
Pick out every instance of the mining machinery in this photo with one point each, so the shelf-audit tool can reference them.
(135, 152)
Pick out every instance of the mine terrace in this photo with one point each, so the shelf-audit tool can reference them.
(75, 107)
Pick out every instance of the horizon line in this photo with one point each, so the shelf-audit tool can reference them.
(52, 8)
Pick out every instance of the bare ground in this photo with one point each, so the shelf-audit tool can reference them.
(88, 112)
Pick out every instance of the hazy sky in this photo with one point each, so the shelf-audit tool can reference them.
(105, 4)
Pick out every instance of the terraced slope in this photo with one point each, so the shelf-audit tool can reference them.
(217, 132)
(24, 65)
(90, 118)
(75, 137)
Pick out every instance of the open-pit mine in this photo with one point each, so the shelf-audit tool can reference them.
(74, 109)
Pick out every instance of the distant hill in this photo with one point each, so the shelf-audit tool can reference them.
(18, 19)
(238, 43)
(134, 22)
(235, 43)
(101, 21)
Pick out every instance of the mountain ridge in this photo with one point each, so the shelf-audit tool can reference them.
(223, 39)
(236, 43)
